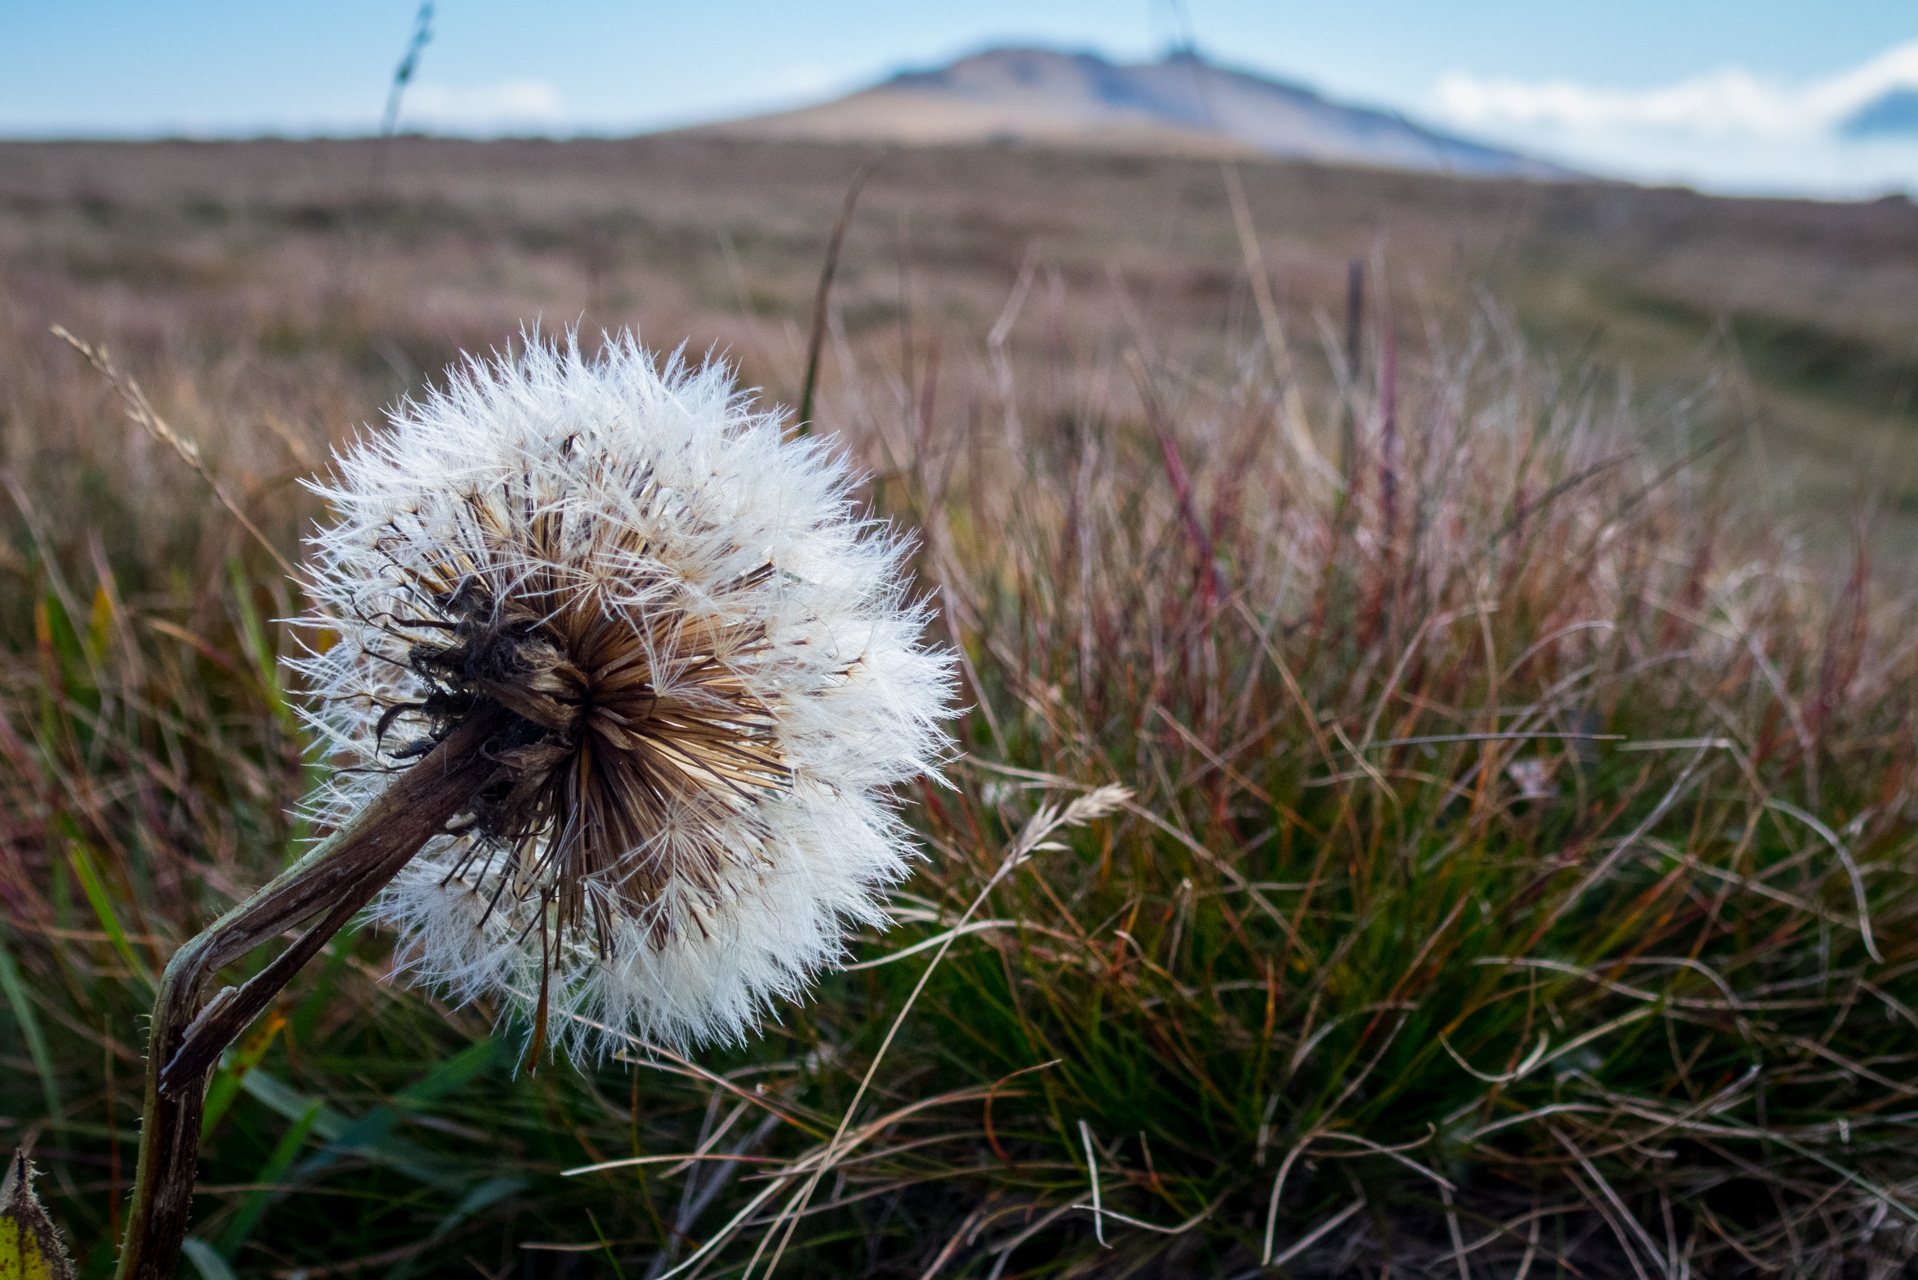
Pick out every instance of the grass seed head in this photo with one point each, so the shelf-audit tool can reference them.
(714, 671)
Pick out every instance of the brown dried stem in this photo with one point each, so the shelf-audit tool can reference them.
(333, 881)
(820, 299)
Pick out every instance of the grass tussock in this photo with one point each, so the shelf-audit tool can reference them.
(1518, 869)
(1484, 853)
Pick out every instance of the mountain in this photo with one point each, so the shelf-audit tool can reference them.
(1181, 103)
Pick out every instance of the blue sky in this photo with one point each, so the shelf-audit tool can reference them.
(1732, 96)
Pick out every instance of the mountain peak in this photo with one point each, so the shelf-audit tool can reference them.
(1180, 103)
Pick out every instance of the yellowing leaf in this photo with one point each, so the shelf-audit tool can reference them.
(101, 619)
(30, 1249)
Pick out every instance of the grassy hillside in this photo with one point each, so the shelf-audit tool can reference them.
(368, 268)
(1515, 875)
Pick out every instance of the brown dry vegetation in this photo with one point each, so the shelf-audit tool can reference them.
(308, 283)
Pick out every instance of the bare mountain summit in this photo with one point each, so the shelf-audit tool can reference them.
(1181, 103)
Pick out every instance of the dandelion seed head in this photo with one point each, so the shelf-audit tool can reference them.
(714, 671)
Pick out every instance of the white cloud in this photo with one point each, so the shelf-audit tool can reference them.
(509, 104)
(1721, 104)
(1847, 135)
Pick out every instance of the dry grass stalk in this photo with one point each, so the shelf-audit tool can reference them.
(140, 411)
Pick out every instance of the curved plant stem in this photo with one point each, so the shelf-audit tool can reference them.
(818, 338)
(332, 882)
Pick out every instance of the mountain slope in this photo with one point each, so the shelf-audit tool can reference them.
(1180, 103)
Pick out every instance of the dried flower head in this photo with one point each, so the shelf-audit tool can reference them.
(713, 673)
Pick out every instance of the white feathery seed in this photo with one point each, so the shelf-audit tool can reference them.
(716, 674)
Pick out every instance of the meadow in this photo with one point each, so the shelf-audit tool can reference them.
(1510, 678)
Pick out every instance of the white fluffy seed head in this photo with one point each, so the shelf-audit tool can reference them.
(715, 672)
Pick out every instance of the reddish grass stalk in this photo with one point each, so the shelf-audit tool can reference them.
(1208, 567)
(1354, 331)
(1389, 435)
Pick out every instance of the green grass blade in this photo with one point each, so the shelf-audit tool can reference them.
(16, 992)
(270, 1173)
(281, 1097)
(449, 1075)
(605, 1244)
(370, 1136)
(96, 892)
(259, 650)
(227, 1081)
(210, 1265)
